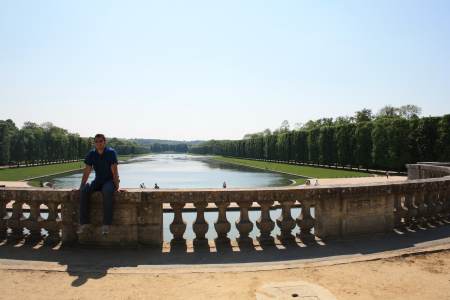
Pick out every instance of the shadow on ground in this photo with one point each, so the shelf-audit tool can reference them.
(92, 263)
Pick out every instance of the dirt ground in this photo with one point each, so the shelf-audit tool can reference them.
(423, 276)
(14, 184)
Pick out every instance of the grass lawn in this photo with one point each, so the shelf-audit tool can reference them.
(23, 173)
(29, 172)
(315, 172)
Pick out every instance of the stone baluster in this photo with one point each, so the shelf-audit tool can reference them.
(243, 224)
(306, 222)
(222, 225)
(178, 226)
(33, 222)
(410, 209)
(52, 224)
(265, 223)
(446, 200)
(419, 199)
(3, 227)
(440, 202)
(431, 204)
(200, 226)
(397, 210)
(285, 222)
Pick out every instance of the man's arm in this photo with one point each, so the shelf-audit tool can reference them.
(115, 172)
(86, 172)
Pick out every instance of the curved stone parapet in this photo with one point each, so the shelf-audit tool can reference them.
(51, 215)
(424, 170)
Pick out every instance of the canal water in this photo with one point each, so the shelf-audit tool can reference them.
(183, 171)
(192, 171)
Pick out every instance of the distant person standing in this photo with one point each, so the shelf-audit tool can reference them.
(104, 161)
(224, 185)
(387, 174)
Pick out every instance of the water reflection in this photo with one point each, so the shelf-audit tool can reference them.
(183, 171)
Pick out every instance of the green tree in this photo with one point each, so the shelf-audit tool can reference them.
(364, 115)
(444, 138)
(380, 142)
(327, 145)
(427, 137)
(363, 144)
(313, 145)
(345, 143)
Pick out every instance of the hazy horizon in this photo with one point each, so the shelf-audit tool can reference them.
(203, 70)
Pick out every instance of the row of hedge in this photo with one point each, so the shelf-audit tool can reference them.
(382, 143)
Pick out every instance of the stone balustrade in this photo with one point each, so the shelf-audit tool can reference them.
(36, 210)
(51, 215)
(424, 170)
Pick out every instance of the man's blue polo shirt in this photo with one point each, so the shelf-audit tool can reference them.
(102, 163)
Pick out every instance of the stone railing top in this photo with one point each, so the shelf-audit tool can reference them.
(446, 164)
(229, 194)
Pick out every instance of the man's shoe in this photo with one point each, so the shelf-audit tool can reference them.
(82, 228)
(105, 229)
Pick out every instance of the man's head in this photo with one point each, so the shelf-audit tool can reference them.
(100, 142)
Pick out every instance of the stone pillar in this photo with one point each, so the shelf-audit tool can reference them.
(349, 211)
(328, 213)
(367, 210)
(124, 228)
(150, 219)
(69, 209)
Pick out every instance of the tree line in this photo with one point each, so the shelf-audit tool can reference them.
(46, 142)
(388, 140)
(158, 148)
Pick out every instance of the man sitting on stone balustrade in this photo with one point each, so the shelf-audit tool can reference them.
(104, 161)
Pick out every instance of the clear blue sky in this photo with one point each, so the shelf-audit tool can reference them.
(217, 69)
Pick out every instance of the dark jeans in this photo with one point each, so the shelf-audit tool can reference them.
(86, 191)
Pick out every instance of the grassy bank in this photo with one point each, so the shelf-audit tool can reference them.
(24, 173)
(293, 169)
